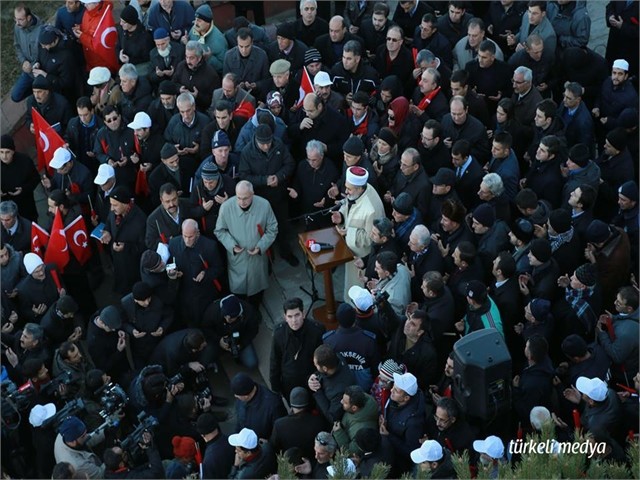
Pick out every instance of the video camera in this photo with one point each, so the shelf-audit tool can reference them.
(113, 398)
(14, 400)
(202, 388)
(131, 444)
(234, 344)
(65, 378)
(176, 379)
(71, 408)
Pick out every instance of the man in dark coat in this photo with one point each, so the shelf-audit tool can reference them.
(114, 144)
(353, 73)
(56, 62)
(412, 179)
(81, 133)
(16, 230)
(218, 454)
(124, 235)
(172, 172)
(294, 342)
(199, 260)
(39, 289)
(70, 177)
(468, 171)
(19, 178)
(106, 342)
(309, 25)
(330, 44)
(136, 92)
(195, 75)
(53, 107)
(458, 124)
(257, 407)
(185, 352)
(286, 47)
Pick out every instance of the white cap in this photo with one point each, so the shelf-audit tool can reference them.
(31, 262)
(594, 388)
(89, 1)
(105, 172)
(322, 79)
(40, 413)
(621, 64)
(361, 298)
(247, 438)
(60, 157)
(357, 176)
(429, 451)
(349, 467)
(491, 445)
(406, 382)
(141, 120)
(98, 75)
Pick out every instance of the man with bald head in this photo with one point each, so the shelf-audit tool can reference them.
(330, 44)
(247, 227)
(199, 261)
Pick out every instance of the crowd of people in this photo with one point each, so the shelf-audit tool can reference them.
(478, 158)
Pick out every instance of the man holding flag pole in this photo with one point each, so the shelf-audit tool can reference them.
(97, 35)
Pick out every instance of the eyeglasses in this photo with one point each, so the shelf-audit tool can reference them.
(517, 82)
(394, 40)
(112, 119)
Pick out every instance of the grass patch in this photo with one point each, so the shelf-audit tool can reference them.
(10, 69)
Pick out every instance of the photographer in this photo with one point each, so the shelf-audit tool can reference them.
(71, 357)
(185, 352)
(70, 447)
(115, 461)
(150, 393)
(234, 323)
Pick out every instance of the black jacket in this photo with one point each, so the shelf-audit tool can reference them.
(56, 110)
(216, 327)
(102, 348)
(136, 45)
(32, 292)
(173, 355)
(204, 78)
(81, 139)
(295, 56)
(112, 145)
(259, 413)
(59, 64)
(176, 55)
(417, 186)
(535, 389)
(297, 430)
(468, 184)
(312, 185)
(406, 425)
(21, 238)
(328, 398)
(545, 179)
(145, 319)
(365, 78)
(473, 131)
(218, 457)
(152, 469)
(161, 175)
(330, 128)
(208, 219)
(420, 359)
(160, 224)
(326, 47)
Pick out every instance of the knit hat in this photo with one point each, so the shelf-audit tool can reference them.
(299, 397)
(150, 260)
(168, 150)
(279, 67)
(160, 34)
(368, 439)
(386, 135)
(587, 274)
(574, 346)
(286, 30)
(403, 204)
(618, 138)
(183, 447)
(121, 194)
(167, 87)
(629, 190)
(444, 176)
(230, 306)
(453, 210)
(274, 98)
(597, 232)
(41, 83)
(312, 55)
(485, 215)
(560, 220)
(220, 139)
(540, 308)
(242, 384)
(357, 176)
(72, 428)
(346, 315)
(476, 290)
(6, 142)
(66, 304)
(210, 171)
(541, 249)
(31, 262)
(47, 35)
(523, 230)
(204, 13)
(129, 15)
(263, 134)
(579, 154)
(389, 367)
(141, 291)
(206, 423)
(353, 146)
(628, 118)
(110, 316)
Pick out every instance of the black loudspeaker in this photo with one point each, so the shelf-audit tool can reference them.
(482, 374)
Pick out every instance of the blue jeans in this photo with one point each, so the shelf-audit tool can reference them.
(248, 357)
(22, 88)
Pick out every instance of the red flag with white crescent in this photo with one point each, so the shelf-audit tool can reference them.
(78, 240)
(105, 38)
(306, 86)
(47, 140)
(39, 239)
(57, 249)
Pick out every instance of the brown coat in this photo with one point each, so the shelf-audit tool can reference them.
(613, 261)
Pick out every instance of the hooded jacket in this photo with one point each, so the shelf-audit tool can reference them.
(249, 128)
(571, 23)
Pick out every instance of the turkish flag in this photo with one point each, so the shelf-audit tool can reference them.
(39, 239)
(105, 38)
(142, 185)
(47, 140)
(78, 240)
(58, 249)
(305, 86)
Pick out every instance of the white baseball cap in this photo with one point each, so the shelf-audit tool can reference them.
(406, 382)
(594, 388)
(40, 413)
(429, 451)
(98, 75)
(247, 438)
(361, 298)
(621, 64)
(322, 79)
(60, 157)
(105, 172)
(491, 445)
(141, 120)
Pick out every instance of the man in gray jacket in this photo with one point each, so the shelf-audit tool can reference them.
(247, 61)
(70, 448)
(25, 41)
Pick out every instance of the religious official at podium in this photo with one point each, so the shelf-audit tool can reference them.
(354, 219)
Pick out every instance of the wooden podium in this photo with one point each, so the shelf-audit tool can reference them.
(324, 261)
